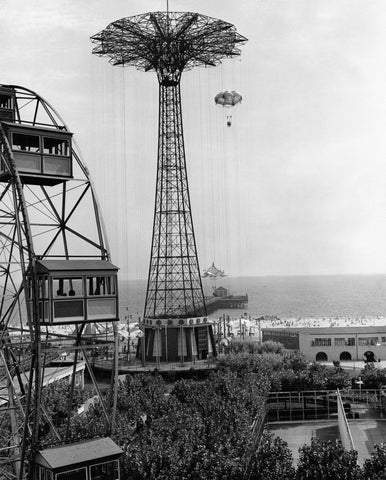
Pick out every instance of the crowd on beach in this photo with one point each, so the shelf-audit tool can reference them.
(251, 325)
(321, 322)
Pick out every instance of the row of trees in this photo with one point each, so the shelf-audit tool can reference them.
(293, 371)
(202, 429)
(190, 430)
(288, 370)
(317, 461)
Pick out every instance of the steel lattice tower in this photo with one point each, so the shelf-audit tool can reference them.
(169, 43)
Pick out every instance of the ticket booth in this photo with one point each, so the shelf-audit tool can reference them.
(97, 459)
(76, 291)
(42, 155)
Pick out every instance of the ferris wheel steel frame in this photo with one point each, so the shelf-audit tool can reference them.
(38, 223)
(170, 43)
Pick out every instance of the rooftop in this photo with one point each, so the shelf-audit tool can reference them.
(78, 453)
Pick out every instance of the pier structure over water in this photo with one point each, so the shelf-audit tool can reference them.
(175, 325)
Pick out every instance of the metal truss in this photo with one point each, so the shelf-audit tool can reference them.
(174, 284)
(169, 43)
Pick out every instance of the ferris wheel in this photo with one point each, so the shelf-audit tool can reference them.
(58, 288)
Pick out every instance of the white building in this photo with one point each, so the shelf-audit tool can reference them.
(330, 343)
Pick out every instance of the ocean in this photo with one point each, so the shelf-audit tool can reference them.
(286, 297)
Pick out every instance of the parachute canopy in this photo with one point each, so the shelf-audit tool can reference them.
(227, 98)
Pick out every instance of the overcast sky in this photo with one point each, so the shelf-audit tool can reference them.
(295, 186)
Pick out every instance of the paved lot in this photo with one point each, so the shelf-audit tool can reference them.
(365, 433)
(298, 434)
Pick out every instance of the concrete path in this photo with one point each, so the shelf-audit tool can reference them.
(365, 433)
(298, 434)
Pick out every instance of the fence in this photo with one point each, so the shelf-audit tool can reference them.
(323, 405)
(257, 432)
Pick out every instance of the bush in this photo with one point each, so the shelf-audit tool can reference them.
(375, 467)
(327, 461)
(272, 460)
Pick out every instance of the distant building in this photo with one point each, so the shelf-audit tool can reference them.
(53, 374)
(332, 343)
(220, 292)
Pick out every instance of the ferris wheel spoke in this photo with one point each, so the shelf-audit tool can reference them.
(83, 193)
(88, 240)
(5, 191)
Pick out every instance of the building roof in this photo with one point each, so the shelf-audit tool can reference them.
(351, 330)
(46, 129)
(73, 265)
(69, 455)
(51, 374)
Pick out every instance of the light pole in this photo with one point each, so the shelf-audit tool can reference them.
(360, 383)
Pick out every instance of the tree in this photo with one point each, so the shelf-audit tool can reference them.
(374, 468)
(272, 460)
(294, 360)
(373, 377)
(327, 461)
(203, 430)
(337, 378)
(270, 346)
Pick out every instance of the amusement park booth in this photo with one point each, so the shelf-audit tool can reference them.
(76, 291)
(92, 460)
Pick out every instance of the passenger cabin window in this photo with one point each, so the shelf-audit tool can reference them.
(56, 146)
(98, 305)
(78, 474)
(77, 299)
(42, 474)
(43, 294)
(105, 471)
(6, 101)
(6, 107)
(71, 287)
(101, 285)
(41, 157)
(26, 143)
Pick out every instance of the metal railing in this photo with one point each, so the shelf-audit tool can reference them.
(323, 405)
(344, 429)
(135, 365)
(257, 428)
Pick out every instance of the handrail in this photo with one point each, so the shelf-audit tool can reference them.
(344, 429)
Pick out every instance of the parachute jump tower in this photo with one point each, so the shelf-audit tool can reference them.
(175, 322)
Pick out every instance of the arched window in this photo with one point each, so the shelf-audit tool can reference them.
(321, 357)
(369, 357)
(345, 356)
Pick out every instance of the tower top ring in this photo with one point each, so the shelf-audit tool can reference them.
(168, 42)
